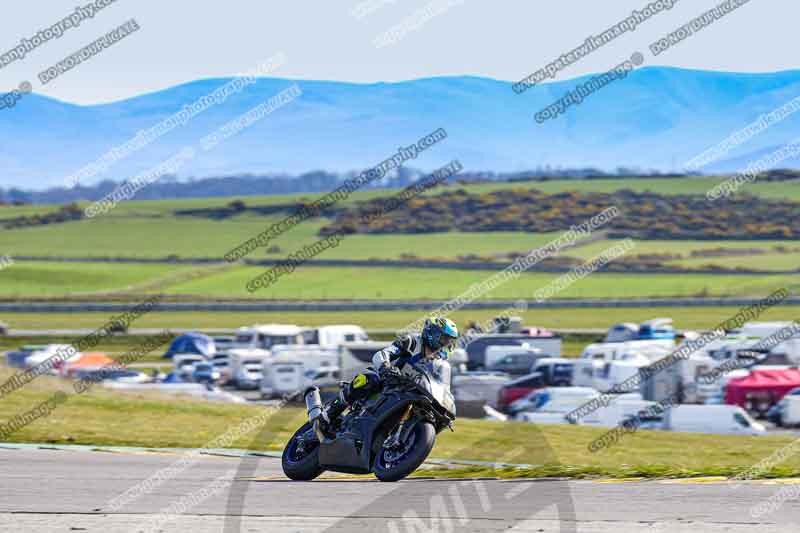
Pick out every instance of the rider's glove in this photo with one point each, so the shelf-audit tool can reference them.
(387, 369)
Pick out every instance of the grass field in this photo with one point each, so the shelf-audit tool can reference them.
(687, 185)
(769, 260)
(39, 279)
(197, 237)
(147, 229)
(417, 283)
(100, 417)
(684, 317)
(56, 279)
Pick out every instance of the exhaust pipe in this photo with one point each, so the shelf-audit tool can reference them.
(313, 403)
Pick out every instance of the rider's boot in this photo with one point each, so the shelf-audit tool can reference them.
(332, 412)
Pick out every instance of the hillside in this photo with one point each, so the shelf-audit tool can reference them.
(658, 118)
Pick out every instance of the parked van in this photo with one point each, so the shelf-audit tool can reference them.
(514, 360)
(621, 409)
(721, 419)
(556, 371)
(561, 400)
(549, 345)
(789, 409)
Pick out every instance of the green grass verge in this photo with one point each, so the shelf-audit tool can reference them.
(105, 418)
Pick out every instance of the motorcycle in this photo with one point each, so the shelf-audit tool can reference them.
(389, 434)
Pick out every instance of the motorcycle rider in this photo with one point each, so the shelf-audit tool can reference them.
(437, 339)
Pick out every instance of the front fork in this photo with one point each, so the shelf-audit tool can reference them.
(397, 437)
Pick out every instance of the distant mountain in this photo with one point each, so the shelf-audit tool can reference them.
(657, 118)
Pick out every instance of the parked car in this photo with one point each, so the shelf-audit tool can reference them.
(18, 358)
(222, 364)
(223, 343)
(205, 373)
(517, 388)
(184, 363)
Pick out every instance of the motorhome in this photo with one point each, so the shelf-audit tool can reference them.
(312, 356)
(264, 337)
(604, 365)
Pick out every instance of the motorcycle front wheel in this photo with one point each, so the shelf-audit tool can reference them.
(301, 462)
(396, 464)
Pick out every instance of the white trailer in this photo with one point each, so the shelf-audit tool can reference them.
(246, 367)
(333, 336)
(289, 366)
(355, 357)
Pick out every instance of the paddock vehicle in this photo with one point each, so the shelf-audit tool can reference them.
(389, 434)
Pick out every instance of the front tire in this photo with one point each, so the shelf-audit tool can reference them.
(424, 437)
(301, 466)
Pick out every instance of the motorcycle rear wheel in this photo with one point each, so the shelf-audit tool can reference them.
(423, 436)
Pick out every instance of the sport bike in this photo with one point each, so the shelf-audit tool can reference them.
(389, 434)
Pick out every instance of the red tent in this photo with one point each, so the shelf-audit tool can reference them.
(770, 385)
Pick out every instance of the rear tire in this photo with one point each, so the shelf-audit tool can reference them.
(425, 437)
(304, 468)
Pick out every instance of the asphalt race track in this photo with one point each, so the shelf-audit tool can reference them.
(61, 491)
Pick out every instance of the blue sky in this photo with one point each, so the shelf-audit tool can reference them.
(181, 40)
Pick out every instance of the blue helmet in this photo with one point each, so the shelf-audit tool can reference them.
(440, 334)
